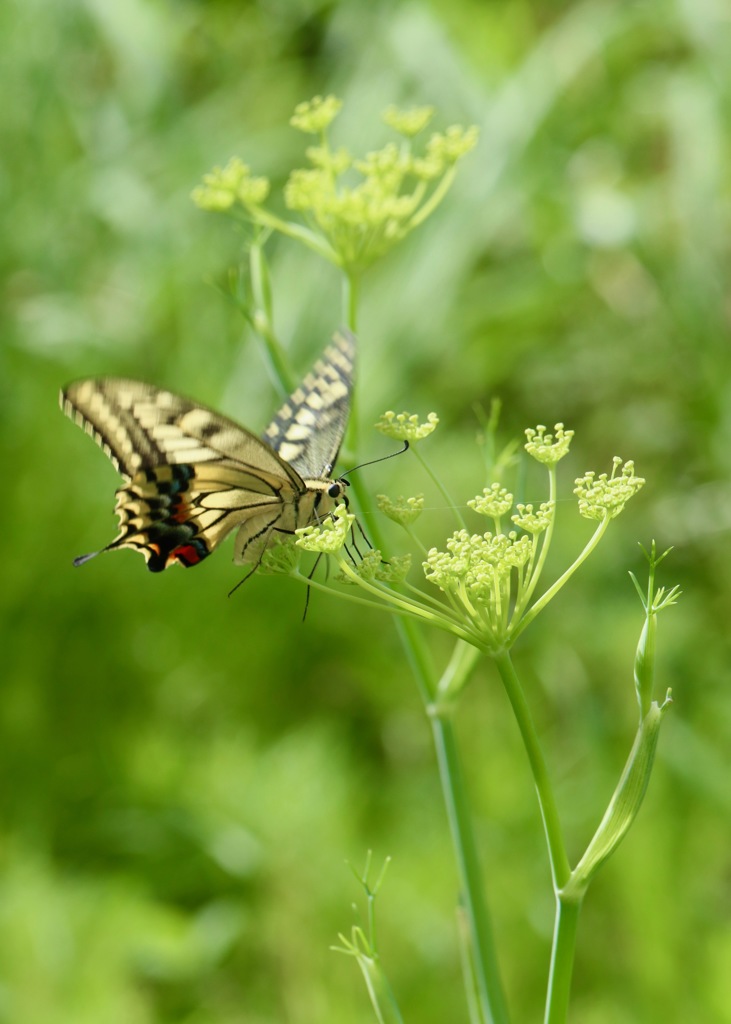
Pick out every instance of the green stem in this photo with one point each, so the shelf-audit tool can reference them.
(485, 971)
(434, 199)
(402, 605)
(311, 239)
(567, 905)
(458, 670)
(527, 594)
(468, 971)
(351, 292)
(262, 320)
(350, 295)
(419, 658)
(560, 869)
(489, 991)
(346, 595)
(562, 959)
(625, 803)
(555, 587)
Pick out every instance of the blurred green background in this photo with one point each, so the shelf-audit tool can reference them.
(185, 775)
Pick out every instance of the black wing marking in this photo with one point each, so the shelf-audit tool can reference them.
(141, 427)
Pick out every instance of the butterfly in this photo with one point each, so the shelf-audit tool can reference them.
(191, 476)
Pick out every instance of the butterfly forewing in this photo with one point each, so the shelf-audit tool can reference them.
(192, 476)
(308, 429)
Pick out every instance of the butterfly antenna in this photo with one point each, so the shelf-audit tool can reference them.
(383, 458)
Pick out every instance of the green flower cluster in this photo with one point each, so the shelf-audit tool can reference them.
(372, 567)
(224, 186)
(548, 449)
(475, 566)
(405, 426)
(604, 496)
(495, 501)
(328, 536)
(488, 580)
(354, 209)
(527, 519)
(476, 573)
(404, 511)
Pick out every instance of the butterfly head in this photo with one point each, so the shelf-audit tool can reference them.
(337, 489)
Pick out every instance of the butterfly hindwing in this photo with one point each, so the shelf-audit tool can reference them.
(191, 476)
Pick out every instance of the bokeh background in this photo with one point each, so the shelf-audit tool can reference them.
(184, 775)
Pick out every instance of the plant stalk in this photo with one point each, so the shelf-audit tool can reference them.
(562, 959)
(560, 868)
(489, 990)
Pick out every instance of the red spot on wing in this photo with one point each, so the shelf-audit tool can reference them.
(188, 555)
(181, 512)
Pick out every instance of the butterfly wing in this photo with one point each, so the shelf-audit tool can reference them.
(308, 430)
(140, 427)
(191, 475)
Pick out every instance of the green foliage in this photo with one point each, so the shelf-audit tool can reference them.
(184, 773)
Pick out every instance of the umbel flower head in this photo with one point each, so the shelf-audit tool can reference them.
(604, 496)
(489, 579)
(371, 566)
(354, 209)
(475, 565)
(476, 572)
(404, 511)
(234, 183)
(328, 536)
(494, 501)
(548, 448)
(406, 426)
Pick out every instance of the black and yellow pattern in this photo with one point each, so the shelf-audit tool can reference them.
(308, 429)
(191, 476)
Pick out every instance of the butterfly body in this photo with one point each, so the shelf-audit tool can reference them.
(191, 476)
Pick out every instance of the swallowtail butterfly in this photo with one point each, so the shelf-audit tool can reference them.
(192, 476)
